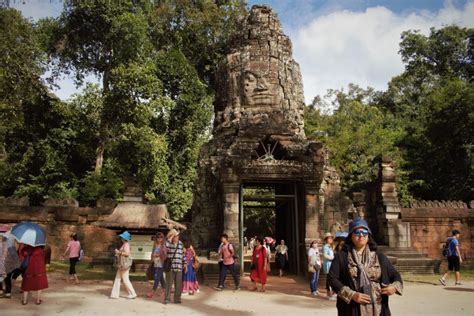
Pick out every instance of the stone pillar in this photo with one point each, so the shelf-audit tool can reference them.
(393, 231)
(231, 197)
(312, 208)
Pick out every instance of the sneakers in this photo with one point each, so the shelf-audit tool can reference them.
(457, 283)
(237, 288)
(442, 281)
(315, 293)
(131, 297)
(218, 288)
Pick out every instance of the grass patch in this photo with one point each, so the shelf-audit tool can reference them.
(85, 272)
(466, 275)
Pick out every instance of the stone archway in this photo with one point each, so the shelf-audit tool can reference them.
(258, 136)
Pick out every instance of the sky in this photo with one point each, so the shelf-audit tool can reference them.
(336, 42)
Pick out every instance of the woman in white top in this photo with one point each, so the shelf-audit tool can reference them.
(281, 256)
(158, 256)
(314, 266)
(123, 275)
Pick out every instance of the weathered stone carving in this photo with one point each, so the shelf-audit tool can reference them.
(258, 135)
(438, 204)
(261, 83)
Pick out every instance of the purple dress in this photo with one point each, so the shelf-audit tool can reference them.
(190, 282)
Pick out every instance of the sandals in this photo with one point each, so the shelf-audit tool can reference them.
(24, 302)
(39, 302)
(254, 289)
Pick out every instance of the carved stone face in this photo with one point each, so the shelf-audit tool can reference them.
(260, 90)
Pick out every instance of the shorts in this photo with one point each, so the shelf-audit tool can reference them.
(453, 263)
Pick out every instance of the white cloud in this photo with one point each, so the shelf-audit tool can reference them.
(362, 47)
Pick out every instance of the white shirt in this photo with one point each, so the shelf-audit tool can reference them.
(314, 252)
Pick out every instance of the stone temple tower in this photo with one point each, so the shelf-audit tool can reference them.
(258, 139)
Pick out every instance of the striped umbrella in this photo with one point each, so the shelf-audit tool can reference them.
(29, 233)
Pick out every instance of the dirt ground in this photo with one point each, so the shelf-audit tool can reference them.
(284, 296)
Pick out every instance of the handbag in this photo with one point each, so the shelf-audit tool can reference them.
(314, 264)
(150, 272)
(123, 262)
(196, 263)
(25, 262)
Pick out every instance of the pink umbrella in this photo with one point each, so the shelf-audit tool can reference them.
(269, 240)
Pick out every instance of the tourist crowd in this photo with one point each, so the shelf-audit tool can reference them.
(359, 277)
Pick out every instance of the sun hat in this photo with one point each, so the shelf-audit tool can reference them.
(125, 236)
(358, 223)
(4, 228)
(173, 232)
(327, 235)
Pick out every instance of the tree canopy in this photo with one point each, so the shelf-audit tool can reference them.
(424, 120)
(153, 107)
(154, 102)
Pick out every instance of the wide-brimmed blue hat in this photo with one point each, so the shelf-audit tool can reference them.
(358, 223)
(125, 236)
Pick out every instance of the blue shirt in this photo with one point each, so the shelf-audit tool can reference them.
(328, 256)
(453, 243)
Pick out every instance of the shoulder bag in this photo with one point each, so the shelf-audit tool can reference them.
(169, 261)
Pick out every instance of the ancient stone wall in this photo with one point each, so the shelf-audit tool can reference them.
(431, 223)
(61, 218)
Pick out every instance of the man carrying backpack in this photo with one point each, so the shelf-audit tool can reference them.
(454, 258)
(227, 253)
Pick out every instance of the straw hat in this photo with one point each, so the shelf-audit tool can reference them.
(327, 235)
(173, 232)
(4, 228)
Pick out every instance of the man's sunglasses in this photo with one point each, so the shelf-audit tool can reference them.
(361, 233)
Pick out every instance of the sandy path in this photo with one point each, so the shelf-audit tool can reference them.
(284, 296)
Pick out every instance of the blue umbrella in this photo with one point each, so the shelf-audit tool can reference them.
(342, 234)
(29, 234)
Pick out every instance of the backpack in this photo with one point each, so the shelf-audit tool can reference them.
(81, 254)
(446, 251)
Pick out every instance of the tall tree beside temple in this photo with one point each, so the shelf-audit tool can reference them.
(424, 120)
(433, 101)
(156, 64)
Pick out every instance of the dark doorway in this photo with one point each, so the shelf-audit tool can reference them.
(271, 209)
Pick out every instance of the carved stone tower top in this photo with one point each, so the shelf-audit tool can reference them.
(259, 82)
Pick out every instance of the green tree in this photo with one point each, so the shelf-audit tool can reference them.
(104, 39)
(356, 133)
(39, 164)
(436, 66)
(21, 64)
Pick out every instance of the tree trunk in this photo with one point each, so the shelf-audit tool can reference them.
(99, 158)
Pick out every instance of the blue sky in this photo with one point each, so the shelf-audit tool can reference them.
(336, 42)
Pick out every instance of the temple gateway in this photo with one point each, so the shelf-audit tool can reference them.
(259, 151)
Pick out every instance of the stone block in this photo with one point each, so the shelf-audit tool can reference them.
(13, 201)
